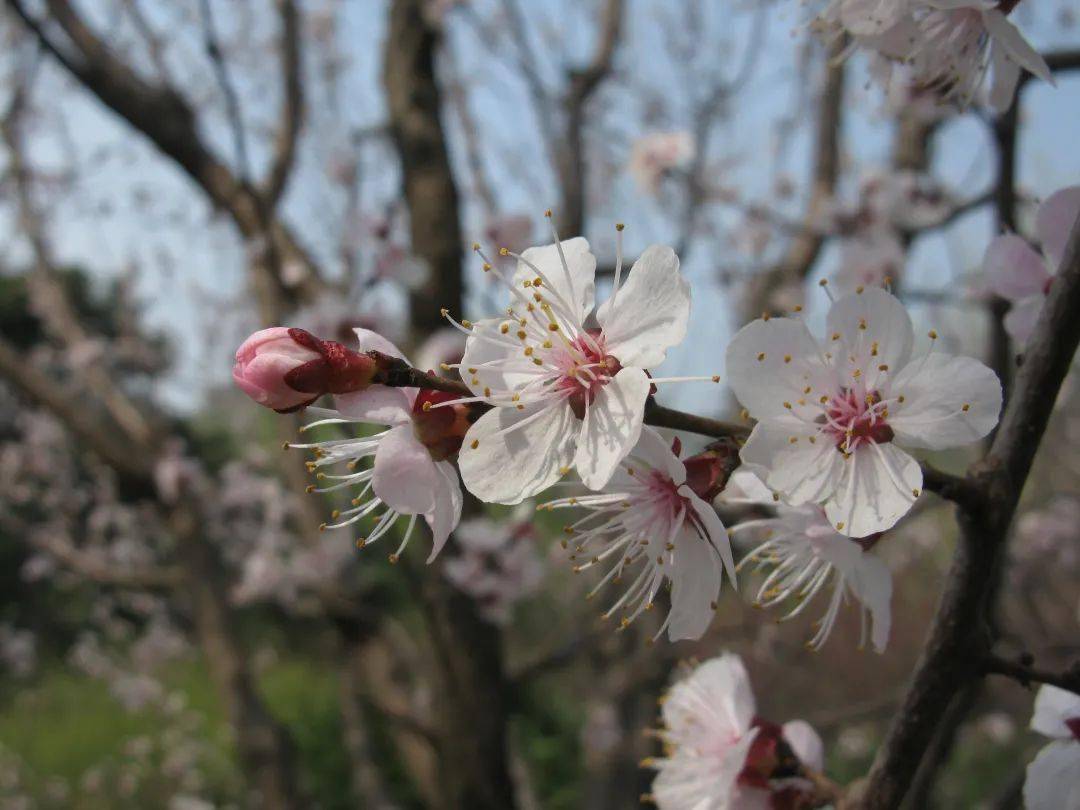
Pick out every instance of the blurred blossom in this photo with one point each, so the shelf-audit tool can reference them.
(657, 154)
(396, 263)
(18, 650)
(855, 743)
(999, 727)
(442, 346)
(496, 563)
(339, 313)
(951, 46)
(512, 231)
(729, 757)
(1021, 275)
(602, 732)
(1050, 534)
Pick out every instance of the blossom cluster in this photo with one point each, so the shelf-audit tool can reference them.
(947, 45)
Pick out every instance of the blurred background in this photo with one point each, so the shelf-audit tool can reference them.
(176, 633)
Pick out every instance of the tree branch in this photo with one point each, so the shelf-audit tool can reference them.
(960, 638)
(1024, 673)
(291, 117)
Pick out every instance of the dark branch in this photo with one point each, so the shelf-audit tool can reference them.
(1025, 674)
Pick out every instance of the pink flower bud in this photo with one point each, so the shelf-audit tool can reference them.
(288, 369)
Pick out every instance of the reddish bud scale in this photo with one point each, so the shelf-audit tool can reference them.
(1073, 724)
(440, 430)
(707, 473)
(338, 371)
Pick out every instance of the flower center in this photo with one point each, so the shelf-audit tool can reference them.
(584, 368)
(852, 420)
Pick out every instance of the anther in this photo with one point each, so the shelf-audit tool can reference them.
(474, 444)
(761, 356)
(965, 407)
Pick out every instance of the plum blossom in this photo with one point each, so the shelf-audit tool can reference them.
(1053, 777)
(654, 517)
(565, 396)
(411, 474)
(805, 556)
(947, 44)
(834, 416)
(288, 369)
(656, 154)
(1022, 275)
(721, 755)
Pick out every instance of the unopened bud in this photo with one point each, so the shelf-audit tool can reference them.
(288, 369)
(707, 473)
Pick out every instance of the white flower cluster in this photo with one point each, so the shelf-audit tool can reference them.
(948, 45)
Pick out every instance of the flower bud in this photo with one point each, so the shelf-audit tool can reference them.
(288, 369)
(707, 473)
(440, 430)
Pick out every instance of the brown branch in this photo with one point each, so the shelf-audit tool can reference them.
(292, 106)
(165, 577)
(960, 637)
(162, 114)
(1024, 673)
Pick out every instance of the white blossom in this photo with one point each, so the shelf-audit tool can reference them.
(647, 523)
(1053, 777)
(834, 415)
(565, 396)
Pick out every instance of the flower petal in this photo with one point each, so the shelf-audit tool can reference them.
(1006, 77)
(799, 471)
(405, 476)
(877, 488)
(498, 360)
(508, 467)
(1013, 269)
(379, 405)
(445, 513)
(373, 341)
(770, 362)
(1053, 778)
(574, 282)
(1055, 219)
(1053, 706)
(655, 452)
(872, 319)
(714, 529)
(720, 683)
(871, 582)
(1021, 318)
(806, 744)
(1009, 37)
(695, 581)
(611, 427)
(649, 313)
(948, 401)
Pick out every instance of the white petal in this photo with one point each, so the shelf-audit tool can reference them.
(871, 582)
(1055, 219)
(1013, 269)
(806, 744)
(695, 581)
(1020, 320)
(872, 317)
(445, 514)
(1053, 778)
(935, 390)
(511, 467)
(720, 683)
(405, 476)
(715, 531)
(652, 449)
(373, 341)
(486, 344)
(379, 405)
(1009, 37)
(772, 362)
(870, 17)
(1053, 706)
(574, 283)
(649, 313)
(868, 499)
(799, 471)
(1006, 77)
(611, 427)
